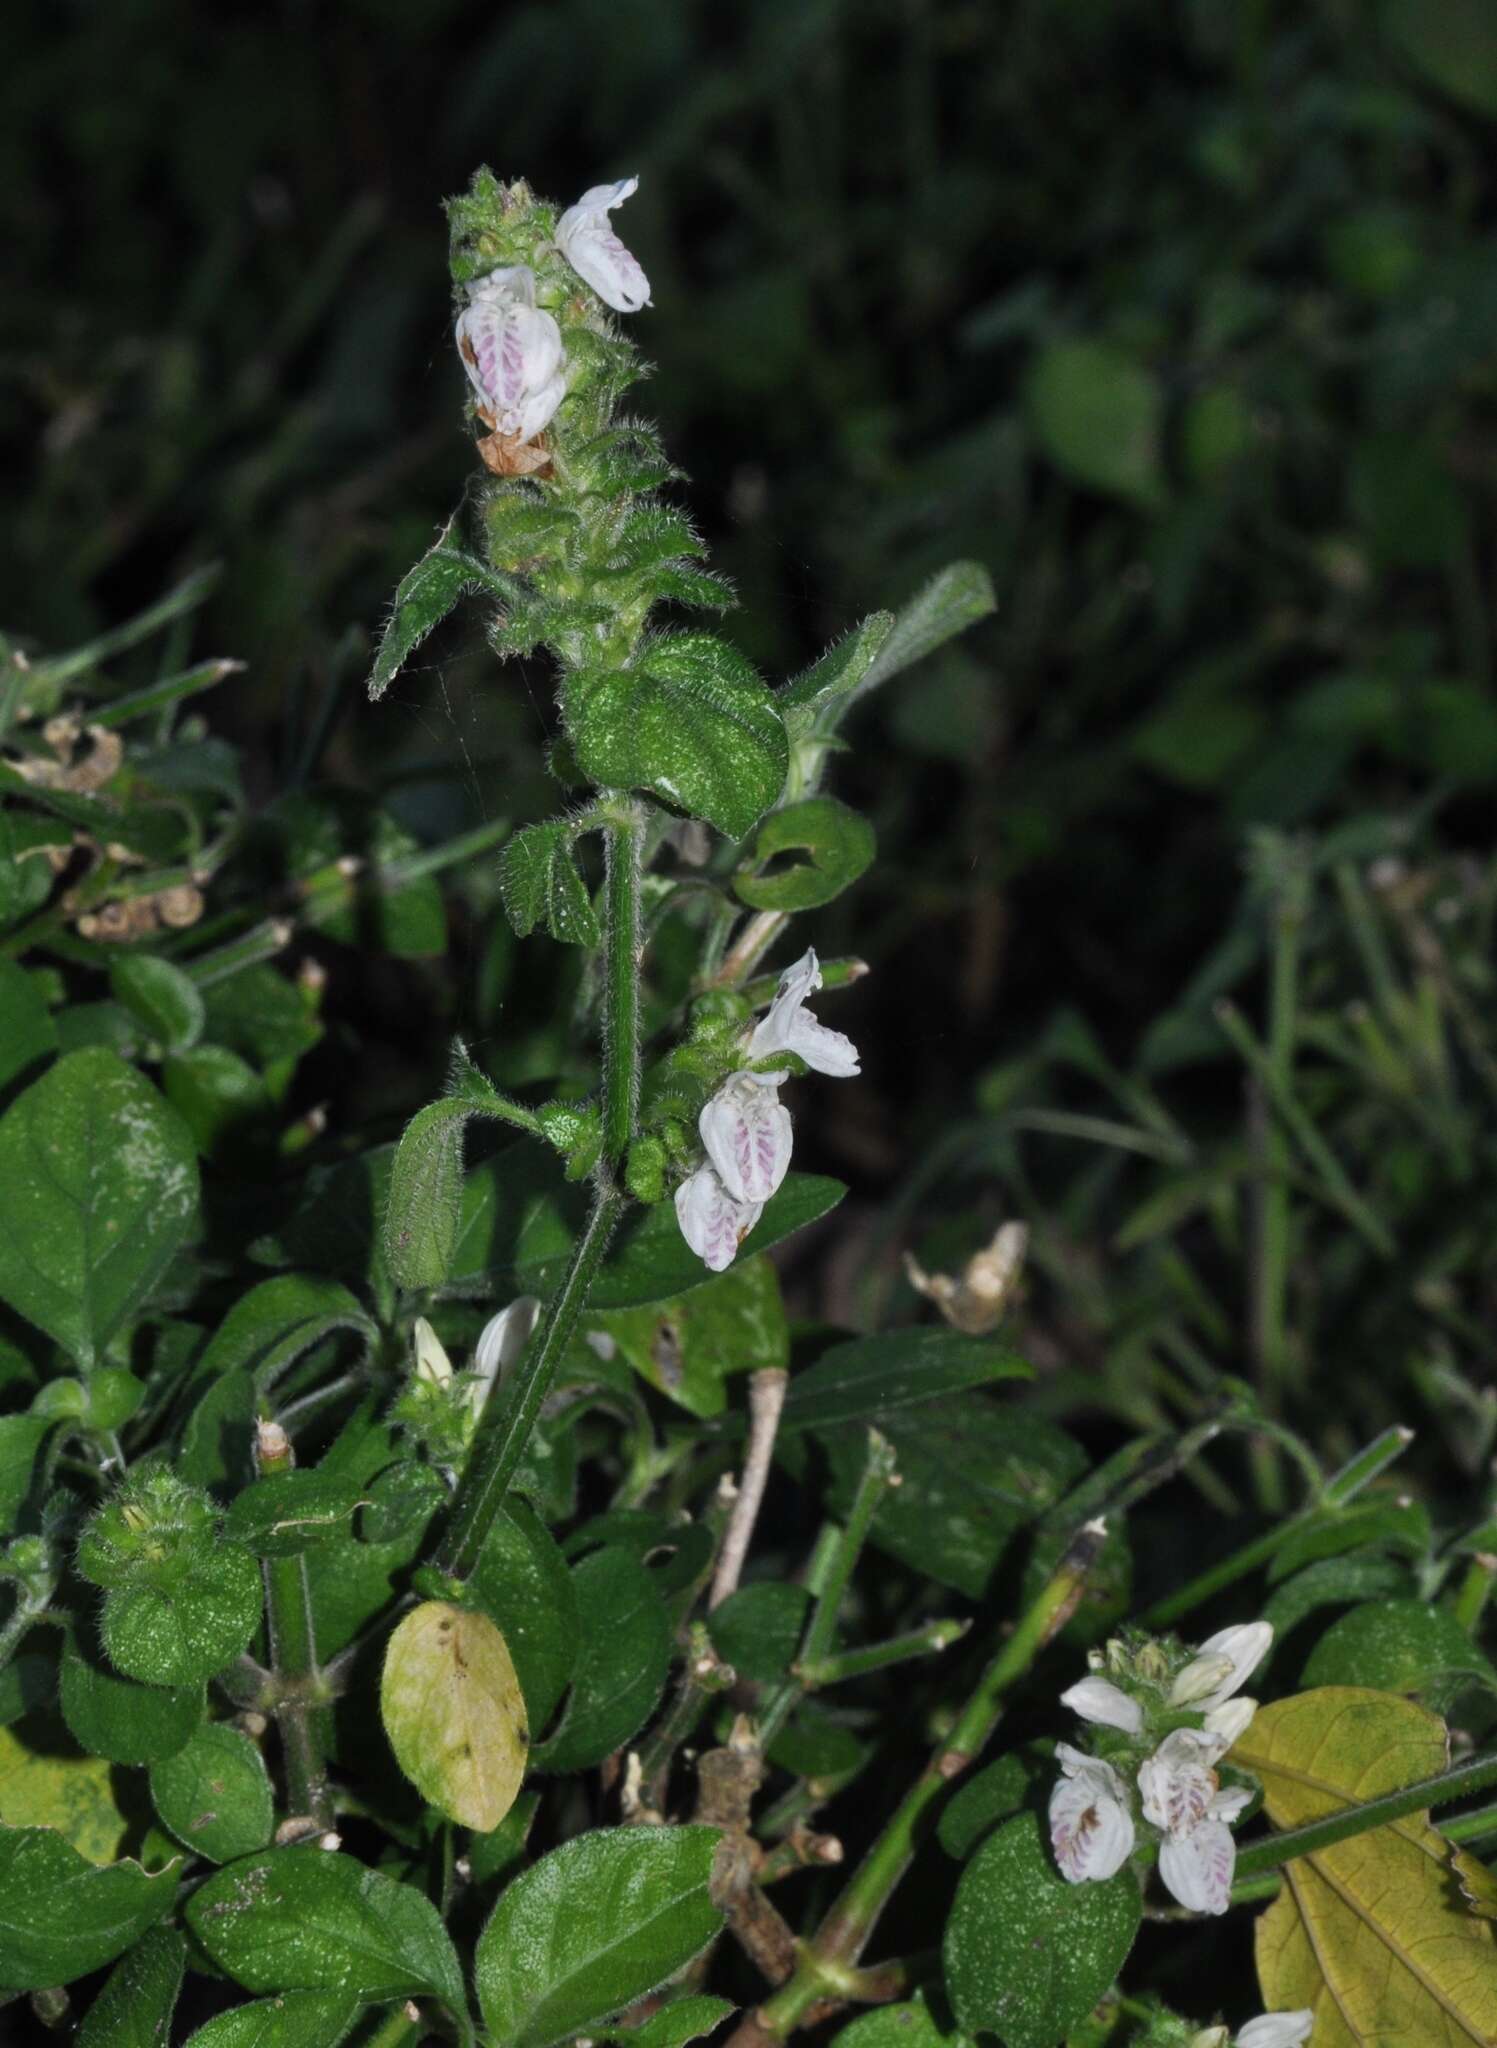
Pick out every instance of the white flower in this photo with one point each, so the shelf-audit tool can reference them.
(1099, 1700)
(500, 1342)
(1276, 2030)
(1091, 1828)
(512, 353)
(1233, 1655)
(1229, 1723)
(711, 1221)
(433, 1366)
(588, 242)
(1178, 1783)
(787, 1026)
(746, 1130)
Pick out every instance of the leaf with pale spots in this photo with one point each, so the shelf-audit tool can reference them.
(101, 1186)
(454, 1713)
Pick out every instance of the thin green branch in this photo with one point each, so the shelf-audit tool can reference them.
(1269, 1854)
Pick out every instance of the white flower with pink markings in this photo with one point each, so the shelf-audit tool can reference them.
(512, 353)
(746, 1130)
(1091, 1826)
(585, 236)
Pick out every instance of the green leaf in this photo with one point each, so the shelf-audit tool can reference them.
(423, 599)
(161, 998)
(600, 1922)
(269, 1328)
(540, 884)
(869, 1376)
(62, 1916)
(116, 1718)
(836, 676)
(955, 598)
(1027, 1955)
(687, 1347)
(28, 1032)
(1096, 413)
(102, 1188)
(134, 2009)
(684, 2019)
(838, 846)
(900, 2026)
(1398, 1646)
(221, 1098)
(297, 2019)
(758, 1629)
(215, 1795)
(972, 1475)
(622, 1662)
(286, 1513)
(308, 1919)
(21, 1437)
(424, 1210)
(454, 1713)
(217, 1442)
(997, 1791)
(522, 1582)
(520, 1220)
(689, 720)
(46, 1783)
(1333, 1582)
(185, 1635)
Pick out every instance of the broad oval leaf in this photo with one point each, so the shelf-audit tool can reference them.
(101, 1184)
(62, 1916)
(1026, 1954)
(297, 2019)
(689, 720)
(117, 1718)
(1372, 1934)
(1399, 1646)
(597, 1924)
(622, 1664)
(135, 2007)
(183, 1636)
(285, 1513)
(215, 1795)
(1096, 412)
(271, 1326)
(46, 1784)
(308, 1919)
(454, 1713)
(524, 1585)
(899, 2026)
(869, 1376)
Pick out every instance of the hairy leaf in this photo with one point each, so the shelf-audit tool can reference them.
(454, 1713)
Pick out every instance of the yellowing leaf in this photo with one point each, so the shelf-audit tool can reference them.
(58, 1788)
(454, 1713)
(1374, 1933)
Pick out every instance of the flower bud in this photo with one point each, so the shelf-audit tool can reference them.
(153, 1532)
(1202, 1675)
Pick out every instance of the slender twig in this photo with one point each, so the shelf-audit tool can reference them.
(766, 1399)
(918, 1642)
(1473, 1776)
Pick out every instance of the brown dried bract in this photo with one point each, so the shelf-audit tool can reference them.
(503, 453)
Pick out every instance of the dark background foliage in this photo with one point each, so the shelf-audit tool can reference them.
(1179, 319)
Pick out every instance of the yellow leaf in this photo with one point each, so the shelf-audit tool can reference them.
(1374, 1933)
(58, 1787)
(454, 1713)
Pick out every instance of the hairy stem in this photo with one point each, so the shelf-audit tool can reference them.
(1474, 1776)
(622, 840)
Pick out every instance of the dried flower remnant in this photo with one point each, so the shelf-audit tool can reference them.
(976, 1300)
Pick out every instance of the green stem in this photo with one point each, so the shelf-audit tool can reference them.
(1343, 1487)
(842, 1936)
(1474, 1776)
(919, 1642)
(20, 1618)
(298, 1684)
(827, 1578)
(1200, 1589)
(1465, 1827)
(621, 979)
(507, 1423)
(1471, 1597)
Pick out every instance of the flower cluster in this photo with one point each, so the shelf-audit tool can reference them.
(441, 1407)
(1269, 2030)
(1171, 1716)
(512, 348)
(745, 1128)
